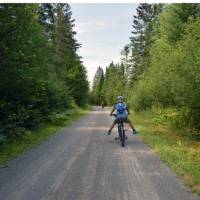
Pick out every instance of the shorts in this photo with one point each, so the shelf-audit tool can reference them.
(124, 119)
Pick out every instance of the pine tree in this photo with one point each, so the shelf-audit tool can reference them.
(97, 87)
(126, 64)
(47, 18)
(142, 38)
(69, 64)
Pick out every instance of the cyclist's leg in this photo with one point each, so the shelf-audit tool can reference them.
(112, 126)
(131, 125)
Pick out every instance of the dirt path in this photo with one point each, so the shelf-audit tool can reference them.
(83, 163)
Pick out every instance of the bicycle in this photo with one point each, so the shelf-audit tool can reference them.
(121, 131)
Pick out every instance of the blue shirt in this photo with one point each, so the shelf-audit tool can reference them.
(121, 109)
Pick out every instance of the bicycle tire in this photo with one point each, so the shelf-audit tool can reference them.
(123, 137)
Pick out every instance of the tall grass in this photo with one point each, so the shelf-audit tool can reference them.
(174, 146)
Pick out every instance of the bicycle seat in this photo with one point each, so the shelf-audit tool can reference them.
(121, 121)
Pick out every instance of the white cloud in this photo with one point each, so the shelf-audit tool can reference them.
(83, 27)
(100, 23)
(103, 30)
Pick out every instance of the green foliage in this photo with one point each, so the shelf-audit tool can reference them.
(47, 19)
(78, 84)
(35, 79)
(114, 84)
(97, 95)
(70, 68)
(142, 97)
(175, 18)
(172, 79)
(143, 36)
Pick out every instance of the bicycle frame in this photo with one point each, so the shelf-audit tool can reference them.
(121, 133)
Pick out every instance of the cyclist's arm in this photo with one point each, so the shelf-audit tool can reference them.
(127, 110)
(112, 111)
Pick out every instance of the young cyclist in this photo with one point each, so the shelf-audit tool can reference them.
(122, 113)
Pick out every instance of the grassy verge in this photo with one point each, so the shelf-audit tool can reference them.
(181, 153)
(12, 149)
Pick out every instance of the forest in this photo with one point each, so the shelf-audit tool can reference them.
(39, 66)
(160, 67)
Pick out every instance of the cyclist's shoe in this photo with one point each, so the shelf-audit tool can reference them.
(109, 132)
(135, 132)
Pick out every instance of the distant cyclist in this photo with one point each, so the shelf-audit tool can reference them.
(103, 104)
(122, 114)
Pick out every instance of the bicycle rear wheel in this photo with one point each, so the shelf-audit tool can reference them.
(123, 138)
(121, 133)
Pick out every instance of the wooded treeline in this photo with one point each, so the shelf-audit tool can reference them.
(160, 67)
(41, 72)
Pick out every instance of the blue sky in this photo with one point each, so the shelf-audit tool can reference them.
(103, 30)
